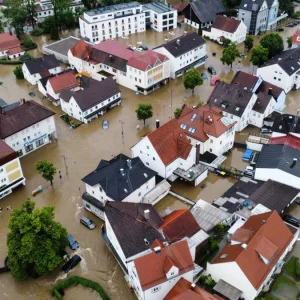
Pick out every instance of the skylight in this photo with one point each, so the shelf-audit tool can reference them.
(193, 117)
(125, 191)
(183, 126)
(146, 176)
(237, 108)
(223, 256)
(192, 129)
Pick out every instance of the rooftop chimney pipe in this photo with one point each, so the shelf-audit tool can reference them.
(147, 214)
(157, 124)
(122, 172)
(197, 153)
(129, 163)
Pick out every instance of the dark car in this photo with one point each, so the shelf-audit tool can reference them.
(289, 25)
(292, 220)
(87, 223)
(265, 130)
(143, 47)
(212, 70)
(72, 242)
(72, 263)
(279, 29)
(297, 201)
(248, 173)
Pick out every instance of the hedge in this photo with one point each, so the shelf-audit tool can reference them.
(297, 268)
(56, 290)
(10, 62)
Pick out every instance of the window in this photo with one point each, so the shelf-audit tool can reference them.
(211, 141)
(29, 148)
(87, 206)
(141, 151)
(147, 163)
(139, 194)
(153, 158)
(39, 142)
(275, 78)
(155, 289)
(147, 147)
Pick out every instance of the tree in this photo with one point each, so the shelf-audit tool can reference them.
(259, 55)
(248, 42)
(144, 112)
(35, 241)
(18, 72)
(46, 169)
(59, 6)
(177, 112)
(226, 42)
(287, 6)
(273, 42)
(30, 11)
(229, 55)
(289, 41)
(192, 79)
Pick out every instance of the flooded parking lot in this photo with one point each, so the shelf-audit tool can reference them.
(85, 146)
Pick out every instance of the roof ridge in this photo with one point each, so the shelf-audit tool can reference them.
(184, 211)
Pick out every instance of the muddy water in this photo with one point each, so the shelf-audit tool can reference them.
(84, 147)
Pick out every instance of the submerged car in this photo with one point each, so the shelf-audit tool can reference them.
(292, 220)
(72, 263)
(212, 70)
(87, 223)
(72, 242)
(204, 76)
(279, 29)
(105, 124)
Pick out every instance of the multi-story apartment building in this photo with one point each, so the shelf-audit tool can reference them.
(120, 20)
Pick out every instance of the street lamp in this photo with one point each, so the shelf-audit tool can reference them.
(122, 130)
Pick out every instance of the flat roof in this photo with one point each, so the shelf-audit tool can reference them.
(158, 7)
(227, 290)
(112, 8)
(62, 46)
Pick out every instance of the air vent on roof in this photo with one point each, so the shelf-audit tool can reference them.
(237, 108)
(146, 242)
(147, 214)
(157, 250)
(178, 42)
(125, 191)
(244, 246)
(245, 88)
(293, 163)
(223, 256)
(193, 285)
(145, 175)
(122, 172)
(280, 126)
(279, 58)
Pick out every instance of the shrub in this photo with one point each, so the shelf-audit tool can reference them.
(28, 43)
(297, 268)
(18, 72)
(10, 62)
(36, 32)
(213, 244)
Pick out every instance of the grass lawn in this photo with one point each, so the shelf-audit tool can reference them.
(270, 297)
(283, 280)
(290, 267)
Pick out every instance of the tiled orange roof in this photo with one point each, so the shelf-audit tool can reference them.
(6, 153)
(168, 264)
(179, 224)
(270, 235)
(226, 24)
(8, 41)
(64, 80)
(81, 50)
(170, 142)
(183, 290)
(296, 37)
(150, 267)
(242, 235)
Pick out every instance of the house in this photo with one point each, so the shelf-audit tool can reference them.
(141, 71)
(235, 102)
(256, 85)
(185, 289)
(92, 98)
(247, 193)
(278, 161)
(153, 275)
(120, 179)
(254, 253)
(225, 27)
(39, 68)
(259, 15)
(120, 20)
(203, 12)
(10, 46)
(282, 70)
(296, 39)
(51, 86)
(27, 127)
(11, 174)
(131, 229)
(285, 124)
(174, 147)
(44, 8)
(185, 52)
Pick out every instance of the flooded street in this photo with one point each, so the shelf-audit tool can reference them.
(84, 147)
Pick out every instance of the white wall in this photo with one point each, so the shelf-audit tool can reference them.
(38, 131)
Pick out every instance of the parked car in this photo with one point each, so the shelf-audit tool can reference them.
(249, 168)
(105, 124)
(249, 173)
(289, 25)
(265, 130)
(72, 242)
(292, 220)
(204, 76)
(72, 263)
(214, 81)
(279, 29)
(242, 55)
(143, 47)
(87, 223)
(297, 201)
(212, 70)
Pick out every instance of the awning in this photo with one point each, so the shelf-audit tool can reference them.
(227, 290)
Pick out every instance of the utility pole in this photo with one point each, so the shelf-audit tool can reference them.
(171, 97)
(122, 130)
(65, 161)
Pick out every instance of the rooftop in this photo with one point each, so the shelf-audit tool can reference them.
(152, 269)
(265, 238)
(158, 7)
(120, 176)
(21, 117)
(181, 6)
(63, 80)
(8, 41)
(42, 65)
(296, 37)
(285, 123)
(230, 98)
(227, 290)
(226, 24)
(6, 153)
(262, 102)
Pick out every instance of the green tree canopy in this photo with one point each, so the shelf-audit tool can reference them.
(289, 41)
(229, 55)
(144, 112)
(18, 72)
(226, 42)
(46, 169)
(248, 42)
(273, 42)
(34, 241)
(177, 112)
(192, 79)
(287, 6)
(259, 55)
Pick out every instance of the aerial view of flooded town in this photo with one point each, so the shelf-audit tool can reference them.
(149, 150)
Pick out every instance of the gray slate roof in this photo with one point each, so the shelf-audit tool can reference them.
(130, 226)
(183, 44)
(286, 123)
(93, 93)
(274, 156)
(115, 185)
(251, 4)
(262, 102)
(288, 60)
(207, 10)
(41, 64)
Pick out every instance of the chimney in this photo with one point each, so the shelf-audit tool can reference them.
(157, 250)
(270, 91)
(197, 152)
(178, 42)
(146, 242)
(293, 163)
(244, 246)
(122, 172)
(157, 124)
(129, 163)
(193, 285)
(110, 58)
(147, 214)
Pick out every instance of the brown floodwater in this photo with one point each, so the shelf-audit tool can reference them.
(84, 147)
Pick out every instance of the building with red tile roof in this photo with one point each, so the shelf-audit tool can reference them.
(10, 46)
(255, 251)
(159, 271)
(186, 290)
(139, 70)
(296, 39)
